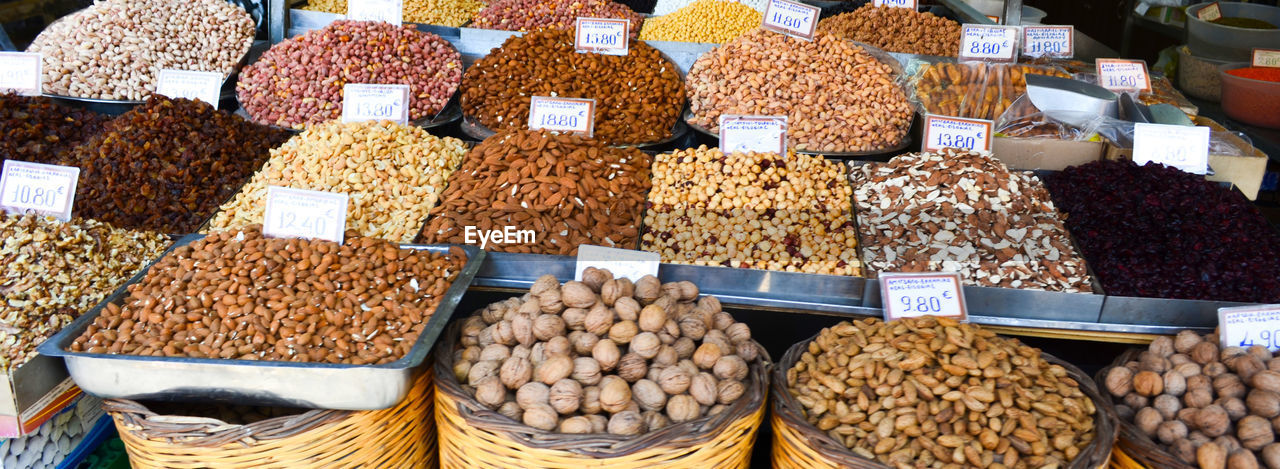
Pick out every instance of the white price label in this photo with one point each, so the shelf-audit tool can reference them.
(1212, 12)
(1266, 58)
(366, 102)
(1181, 146)
(896, 3)
(760, 134)
(956, 132)
(1048, 41)
(386, 11)
(1123, 75)
(299, 213)
(563, 114)
(41, 188)
(20, 73)
(909, 295)
(1246, 326)
(620, 262)
(989, 43)
(791, 18)
(602, 36)
(205, 86)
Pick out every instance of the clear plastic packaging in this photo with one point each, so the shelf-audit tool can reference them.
(972, 90)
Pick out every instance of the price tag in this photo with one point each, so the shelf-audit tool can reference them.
(791, 18)
(299, 213)
(994, 19)
(1181, 146)
(1123, 75)
(956, 132)
(386, 11)
(989, 43)
(563, 114)
(1246, 326)
(41, 188)
(621, 262)
(1266, 57)
(909, 295)
(365, 102)
(1213, 12)
(896, 3)
(602, 36)
(205, 86)
(20, 73)
(1048, 41)
(760, 134)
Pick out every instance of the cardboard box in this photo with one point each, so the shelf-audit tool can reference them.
(1045, 153)
(31, 393)
(1245, 172)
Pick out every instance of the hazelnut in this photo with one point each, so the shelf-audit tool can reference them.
(648, 395)
(576, 425)
(632, 367)
(541, 416)
(607, 354)
(626, 423)
(533, 393)
(566, 396)
(682, 408)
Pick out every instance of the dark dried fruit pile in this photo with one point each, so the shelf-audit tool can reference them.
(1155, 231)
(39, 130)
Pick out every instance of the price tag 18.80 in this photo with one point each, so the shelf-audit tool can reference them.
(20, 73)
(1181, 146)
(41, 188)
(1048, 41)
(1212, 12)
(986, 43)
(620, 262)
(205, 86)
(574, 115)
(956, 132)
(1266, 57)
(791, 18)
(896, 3)
(908, 295)
(759, 134)
(366, 102)
(299, 213)
(1122, 75)
(386, 11)
(602, 36)
(1246, 326)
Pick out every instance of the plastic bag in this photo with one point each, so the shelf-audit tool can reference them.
(1023, 119)
(1162, 91)
(973, 90)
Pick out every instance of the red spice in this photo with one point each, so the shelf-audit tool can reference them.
(1257, 73)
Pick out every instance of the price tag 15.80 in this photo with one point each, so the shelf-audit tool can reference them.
(386, 11)
(986, 43)
(20, 73)
(205, 86)
(1048, 41)
(760, 134)
(574, 115)
(1246, 326)
(1181, 146)
(602, 36)
(1122, 75)
(896, 3)
(956, 132)
(299, 213)
(366, 102)
(620, 262)
(1266, 57)
(41, 188)
(791, 18)
(908, 295)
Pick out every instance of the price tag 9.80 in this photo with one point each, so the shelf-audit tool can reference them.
(791, 18)
(41, 188)
(573, 115)
(1246, 326)
(299, 213)
(621, 263)
(20, 73)
(908, 295)
(980, 42)
(1048, 41)
(369, 102)
(602, 36)
(956, 132)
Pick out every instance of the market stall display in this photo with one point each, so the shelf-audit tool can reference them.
(752, 210)
(716, 21)
(300, 81)
(40, 130)
(453, 13)
(973, 90)
(902, 30)
(114, 49)
(532, 15)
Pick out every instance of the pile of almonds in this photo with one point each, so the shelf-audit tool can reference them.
(964, 212)
(604, 355)
(1207, 405)
(931, 392)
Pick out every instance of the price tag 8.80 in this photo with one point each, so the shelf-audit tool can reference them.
(986, 43)
(1181, 146)
(956, 132)
(367, 102)
(573, 115)
(760, 134)
(20, 73)
(791, 18)
(1246, 326)
(620, 262)
(602, 36)
(896, 3)
(300, 213)
(1266, 57)
(41, 188)
(188, 84)
(908, 295)
(386, 11)
(1048, 41)
(1123, 75)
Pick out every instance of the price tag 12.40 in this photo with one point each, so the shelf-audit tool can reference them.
(986, 43)
(386, 11)
(299, 213)
(205, 86)
(760, 134)
(1246, 326)
(956, 132)
(1122, 75)
(1180, 146)
(791, 18)
(574, 115)
(41, 188)
(908, 295)
(602, 36)
(620, 262)
(1048, 41)
(366, 102)
(20, 73)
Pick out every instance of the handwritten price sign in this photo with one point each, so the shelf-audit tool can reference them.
(987, 43)
(622, 263)
(298, 213)
(20, 73)
(1048, 41)
(386, 11)
(365, 102)
(563, 114)
(1180, 146)
(1123, 75)
(760, 134)
(791, 18)
(908, 295)
(1266, 58)
(1212, 12)
(205, 86)
(956, 132)
(602, 36)
(41, 188)
(1246, 326)
(896, 3)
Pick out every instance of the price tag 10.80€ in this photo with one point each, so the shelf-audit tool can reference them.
(621, 263)
(573, 115)
(299, 213)
(986, 43)
(20, 73)
(41, 188)
(908, 295)
(956, 132)
(1180, 146)
(1048, 41)
(188, 84)
(602, 36)
(366, 102)
(1246, 326)
(791, 18)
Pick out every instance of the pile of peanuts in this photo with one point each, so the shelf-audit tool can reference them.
(115, 48)
(638, 96)
(837, 97)
(715, 21)
(40, 130)
(965, 212)
(567, 189)
(299, 81)
(974, 90)
(393, 175)
(752, 210)
(896, 30)
(452, 13)
(240, 295)
(532, 15)
(56, 271)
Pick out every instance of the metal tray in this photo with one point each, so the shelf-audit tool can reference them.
(906, 142)
(247, 382)
(474, 129)
(450, 114)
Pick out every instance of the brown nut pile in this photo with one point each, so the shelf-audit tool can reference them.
(299, 81)
(40, 130)
(240, 295)
(605, 356)
(837, 97)
(568, 190)
(638, 96)
(532, 15)
(115, 49)
(167, 164)
(902, 30)
(453, 13)
(965, 212)
(55, 271)
(931, 392)
(974, 90)
(752, 210)
(1207, 405)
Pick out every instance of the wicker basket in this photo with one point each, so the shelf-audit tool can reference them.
(798, 444)
(1132, 441)
(472, 436)
(402, 436)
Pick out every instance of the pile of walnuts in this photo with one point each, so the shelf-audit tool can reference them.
(605, 355)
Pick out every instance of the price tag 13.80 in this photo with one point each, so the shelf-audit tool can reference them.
(1246, 326)
(620, 262)
(20, 73)
(366, 102)
(602, 36)
(1122, 75)
(573, 115)
(1181, 146)
(1048, 41)
(41, 188)
(205, 86)
(1213, 12)
(1266, 57)
(760, 134)
(896, 3)
(956, 132)
(986, 43)
(386, 11)
(908, 295)
(299, 213)
(791, 18)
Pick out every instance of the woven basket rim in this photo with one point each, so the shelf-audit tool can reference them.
(788, 410)
(211, 432)
(685, 434)
(1136, 444)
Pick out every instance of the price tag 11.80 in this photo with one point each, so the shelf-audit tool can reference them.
(760, 134)
(20, 73)
(1048, 41)
(205, 86)
(1266, 57)
(1181, 146)
(791, 18)
(1212, 12)
(896, 3)
(573, 115)
(1122, 75)
(41, 188)
(602, 36)
(620, 262)
(908, 295)
(956, 132)
(1246, 326)
(367, 102)
(299, 213)
(386, 11)
(986, 43)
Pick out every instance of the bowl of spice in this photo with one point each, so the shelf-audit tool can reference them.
(1251, 94)
(1242, 27)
